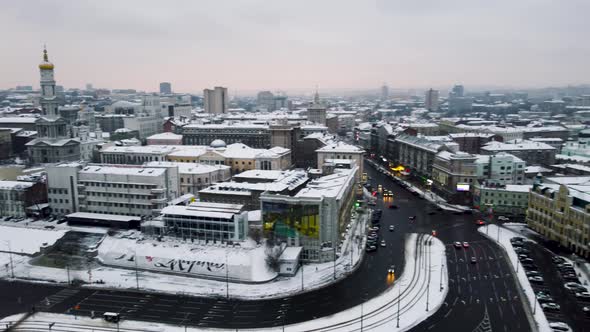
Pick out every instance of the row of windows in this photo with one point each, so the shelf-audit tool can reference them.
(55, 200)
(118, 185)
(57, 191)
(123, 205)
(128, 196)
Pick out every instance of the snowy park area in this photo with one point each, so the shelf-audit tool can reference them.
(27, 241)
(502, 236)
(313, 275)
(418, 288)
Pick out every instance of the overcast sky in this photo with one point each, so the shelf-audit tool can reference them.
(274, 44)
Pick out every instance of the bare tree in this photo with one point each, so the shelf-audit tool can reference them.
(255, 234)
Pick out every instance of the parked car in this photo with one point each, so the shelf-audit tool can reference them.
(473, 260)
(583, 295)
(457, 244)
(532, 273)
(551, 306)
(391, 228)
(575, 287)
(50, 227)
(480, 222)
(371, 248)
(465, 244)
(383, 243)
(536, 279)
(560, 327)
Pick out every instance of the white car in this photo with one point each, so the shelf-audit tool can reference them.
(560, 326)
(383, 243)
(550, 306)
(458, 244)
(583, 295)
(391, 228)
(502, 218)
(536, 279)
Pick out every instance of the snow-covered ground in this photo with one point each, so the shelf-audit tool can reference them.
(314, 275)
(502, 236)
(418, 285)
(27, 241)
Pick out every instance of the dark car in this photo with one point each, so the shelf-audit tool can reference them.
(393, 206)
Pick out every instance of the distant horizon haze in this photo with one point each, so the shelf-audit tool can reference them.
(294, 46)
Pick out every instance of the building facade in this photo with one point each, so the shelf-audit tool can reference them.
(561, 213)
(253, 135)
(216, 101)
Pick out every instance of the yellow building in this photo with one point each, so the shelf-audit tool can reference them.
(561, 213)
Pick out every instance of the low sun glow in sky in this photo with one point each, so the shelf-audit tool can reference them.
(256, 44)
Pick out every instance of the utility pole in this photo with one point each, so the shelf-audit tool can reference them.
(334, 245)
(399, 299)
(11, 263)
(136, 272)
(428, 285)
(226, 277)
(68, 273)
(301, 276)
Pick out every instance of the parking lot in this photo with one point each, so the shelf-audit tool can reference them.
(548, 275)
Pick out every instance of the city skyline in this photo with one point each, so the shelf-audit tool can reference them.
(295, 46)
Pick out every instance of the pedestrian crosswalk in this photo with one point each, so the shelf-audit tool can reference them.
(56, 298)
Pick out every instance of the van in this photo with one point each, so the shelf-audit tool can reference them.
(112, 317)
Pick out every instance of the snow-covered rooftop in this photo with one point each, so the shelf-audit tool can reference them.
(15, 185)
(522, 145)
(170, 136)
(188, 168)
(341, 147)
(124, 170)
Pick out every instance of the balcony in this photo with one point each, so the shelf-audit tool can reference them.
(157, 190)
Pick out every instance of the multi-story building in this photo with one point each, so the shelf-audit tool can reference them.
(500, 169)
(135, 155)
(249, 185)
(17, 196)
(341, 150)
(510, 199)
(313, 218)
(253, 135)
(265, 100)
(560, 211)
(416, 154)
(165, 139)
(165, 88)
(207, 221)
(453, 176)
(472, 142)
(533, 153)
(316, 112)
(107, 189)
(216, 101)
(431, 100)
(193, 176)
(580, 148)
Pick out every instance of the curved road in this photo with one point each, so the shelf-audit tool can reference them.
(468, 300)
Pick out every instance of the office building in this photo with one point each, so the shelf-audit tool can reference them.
(431, 100)
(216, 101)
(265, 101)
(384, 92)
(17, 198)
(316, 112)
(165, 88)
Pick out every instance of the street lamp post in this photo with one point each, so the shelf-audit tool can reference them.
(10, 255)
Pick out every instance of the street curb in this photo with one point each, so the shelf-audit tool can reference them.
(523, 298)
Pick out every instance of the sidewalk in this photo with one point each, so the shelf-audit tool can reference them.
(312, 276)
(416, 295)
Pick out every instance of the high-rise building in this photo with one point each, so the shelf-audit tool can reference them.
(384, 92)
(265, 101)
(165, 88)
(431, 100)
(458, 91)
(216, 101)
(89, 87)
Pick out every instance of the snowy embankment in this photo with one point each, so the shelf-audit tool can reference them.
(502, 236)
(27, 241)
(314, 275)
(418, 285)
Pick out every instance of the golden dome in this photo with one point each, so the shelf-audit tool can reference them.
(45, 64)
